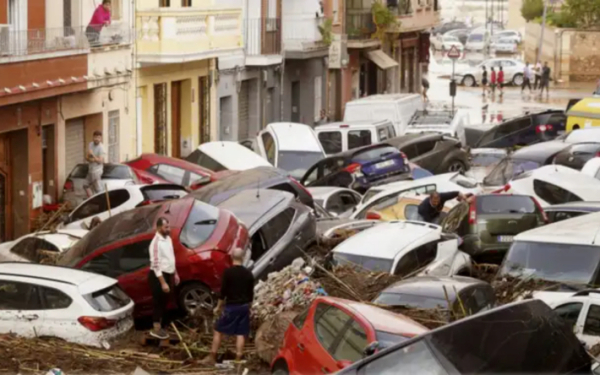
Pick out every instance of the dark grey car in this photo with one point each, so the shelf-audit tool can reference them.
(577, 155)
(280, 227)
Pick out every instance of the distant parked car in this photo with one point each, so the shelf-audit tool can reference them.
(105, 205)
(333, 333)
(154, 168)
(360, 168)
(448, 26)
(114, 176)
(489, 223)
(513, 71)
(575, 156)
(504, 45)
(30, 248)
(335, 200)
(203, 237)
(280, 228)
(252, 179)
(512, 35)
(47, 301)
(343, 136)
(564, 211)
(222, 156)
(434, 152)
(448, 293)
(446, 42)
(461, 34)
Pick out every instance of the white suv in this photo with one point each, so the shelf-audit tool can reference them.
(76, 306)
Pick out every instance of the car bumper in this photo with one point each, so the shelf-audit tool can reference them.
(476, 248)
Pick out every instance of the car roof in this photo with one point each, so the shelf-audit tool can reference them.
(586, 187)
(382, 98)
(233, 155)
(432, 286)
(295, 137)
(392, 238)
(350, 124)
(583, 206)
(250, 206)
(382, 320)
(158, 159)
(539, 152)
(581, 230)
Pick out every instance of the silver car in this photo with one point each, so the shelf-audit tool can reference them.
(504, 45)
(513, 72)
(280, 228)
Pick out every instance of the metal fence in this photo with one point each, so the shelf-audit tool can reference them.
(262, 36)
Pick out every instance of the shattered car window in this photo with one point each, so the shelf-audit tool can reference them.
(109, 299)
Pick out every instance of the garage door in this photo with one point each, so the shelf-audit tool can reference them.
(244, 112)
(74, 144)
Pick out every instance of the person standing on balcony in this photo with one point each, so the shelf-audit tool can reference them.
(100, 19)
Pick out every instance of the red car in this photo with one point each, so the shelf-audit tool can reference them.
(153, 168)
(333, 333)
(202, 236)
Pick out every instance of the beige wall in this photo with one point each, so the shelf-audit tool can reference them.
(515, 20)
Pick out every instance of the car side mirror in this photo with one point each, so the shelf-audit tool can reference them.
(371, 349)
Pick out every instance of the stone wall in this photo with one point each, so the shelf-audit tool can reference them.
(585, 56)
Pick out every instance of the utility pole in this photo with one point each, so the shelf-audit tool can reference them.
(539, 51)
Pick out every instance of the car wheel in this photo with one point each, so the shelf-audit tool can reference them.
(456, 166)
(518, 79)
(469, 81)
(195, 296)
(280, 368)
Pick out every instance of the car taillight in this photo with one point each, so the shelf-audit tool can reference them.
(503, 190)
(544, 128)
(68, 186)
(539, 207)
(373, 216)
(473, 212)
(352, 168)
(95, 324)
(301, 186)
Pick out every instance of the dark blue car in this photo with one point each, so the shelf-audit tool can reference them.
(360, 168)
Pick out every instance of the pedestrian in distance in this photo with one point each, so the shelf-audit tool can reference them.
(233, 308)
(484, 81)
(545, 79)
(425, 84)
(501, 81)
(163, 277)
(100, 18)
(492, 81)
(526, 78)
(538, 76)
(95, 158)
(430, 208)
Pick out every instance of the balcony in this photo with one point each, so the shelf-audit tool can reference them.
(262, 41)
(302, 38)
(360, 28)
(176, 35)
(415, 15)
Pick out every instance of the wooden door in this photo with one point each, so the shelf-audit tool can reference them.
(176, 119)
(5, 193)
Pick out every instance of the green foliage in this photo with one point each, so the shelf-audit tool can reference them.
(326, 31)
(531, 9)
(383, 18)
(584, 14)
(560, 19)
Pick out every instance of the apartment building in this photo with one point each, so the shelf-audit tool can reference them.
(56, 89)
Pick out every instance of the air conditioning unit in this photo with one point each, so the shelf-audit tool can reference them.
(4, 40)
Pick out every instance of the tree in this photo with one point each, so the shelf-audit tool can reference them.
(585, 13)
(532, 9)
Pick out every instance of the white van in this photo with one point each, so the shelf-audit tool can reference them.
(477, 41)
(222, 156)
(397, 108)
(290, 146)
(342, 136)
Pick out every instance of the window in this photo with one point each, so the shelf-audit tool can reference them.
(101, 264)
(186, 3)
(410, 151)
(18, 296)
(275, 228)
(117, 197)
(412, 359)
(508, 63)
(383, 133)
(426, 253)
(194, 177)
(92, 207)
(200, 158)
(169, 173)
(407, 264)
(425, 147)
(512, 127)
(157, 193)
(375, 153)
(54, 299)
(29, 247)
(552, 193)
(113, 136)
(318, 83)
(329, 323)
(331, 141)
(341, 202)
(592, 321)
(569, 312)
(199, 225)
(272, 9)
(165, 3)
(411, 212)
(555, 216)
(336, 11)
(358, 138)
(134, 256)
(312, 174)
(109, 299)
(352, 343)
(269, 144)
(505, 204)
(421, 190)
(301, 318)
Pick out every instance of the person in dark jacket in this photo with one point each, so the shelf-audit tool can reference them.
(233, 308)
(430, 208)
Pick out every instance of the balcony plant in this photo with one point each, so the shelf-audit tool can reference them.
(325, 28)
(384, 19)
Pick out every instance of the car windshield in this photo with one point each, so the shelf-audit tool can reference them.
(297, 162)
(374, 153)
(507, 169)
(199, 225)
(364, 262)
(387, 339)
(505, 204)
(485, 160)
(571, 264)
(410, 300)
(109, 172)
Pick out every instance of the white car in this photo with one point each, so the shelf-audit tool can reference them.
(29, 248)
(76, 306)
(335, 200)
(343, 136)
(384, 196)
(554, 184)
(483, 161)
(592, 167)
(513, 72)
(120, 200)
(504, 46)
(113, 176)
(223, 156)
(446, 42)
(404, 248)
(512, 35)
(477, 40)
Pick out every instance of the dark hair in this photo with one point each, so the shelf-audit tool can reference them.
(97, 132)
(161, 222)
(104, 2)
(434, 194)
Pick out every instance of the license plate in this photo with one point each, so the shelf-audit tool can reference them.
(384, 164)
(505, 238)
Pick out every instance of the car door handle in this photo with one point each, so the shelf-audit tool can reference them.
(301, 347)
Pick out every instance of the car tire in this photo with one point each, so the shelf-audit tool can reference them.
(517, 79)
(469, 81)
(455, 165)
(194, 296)
(280, 368)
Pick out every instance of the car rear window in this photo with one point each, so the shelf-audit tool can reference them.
(485, 160)
(387, 339)
(505, 204)
(367, 263)
(110, 172)
(200, 158)
(157, 193)
(109, 299)
(199, 225)
(374, 153)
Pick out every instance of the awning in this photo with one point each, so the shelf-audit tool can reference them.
(381, 59)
